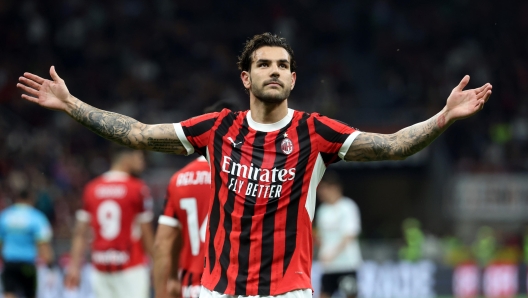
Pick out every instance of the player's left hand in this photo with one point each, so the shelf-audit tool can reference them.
(464, 103)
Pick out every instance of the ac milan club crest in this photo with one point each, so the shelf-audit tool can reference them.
(287, 146)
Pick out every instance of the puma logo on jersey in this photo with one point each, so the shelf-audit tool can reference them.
(233, 142)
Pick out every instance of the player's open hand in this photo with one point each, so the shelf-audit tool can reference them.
(53, 95)
(464, 103)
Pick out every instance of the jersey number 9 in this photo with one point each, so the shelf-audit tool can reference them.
(109, 218)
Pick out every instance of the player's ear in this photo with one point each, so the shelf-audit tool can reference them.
(246, 79)
(294, 78)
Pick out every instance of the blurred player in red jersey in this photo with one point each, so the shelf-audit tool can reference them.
(265, 165)
(118, 207)
(183, 220)
(182, 226)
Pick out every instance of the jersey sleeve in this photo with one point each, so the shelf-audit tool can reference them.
(169, 216)
(194, 133)
(334, 138)
(83, 214)
(42, 229)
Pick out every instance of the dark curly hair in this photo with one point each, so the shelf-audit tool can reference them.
(263, 40)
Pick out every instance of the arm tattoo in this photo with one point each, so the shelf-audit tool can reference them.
(109, 125)
(397, 146)
(127, 131)
(164, 145)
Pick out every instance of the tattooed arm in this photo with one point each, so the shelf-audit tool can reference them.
(124, 130)
(410, 140)
(396, 146)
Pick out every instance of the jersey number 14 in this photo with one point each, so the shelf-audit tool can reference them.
(196, 234)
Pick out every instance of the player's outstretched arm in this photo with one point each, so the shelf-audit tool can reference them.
(54, 95)
(408, 141)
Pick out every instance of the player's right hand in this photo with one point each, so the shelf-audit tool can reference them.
(72, 279)
(53, 95)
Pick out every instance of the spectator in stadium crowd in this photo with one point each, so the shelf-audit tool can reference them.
(338, 226)
(118, 207)
(25, 235)
(265, 165)
(179, 247)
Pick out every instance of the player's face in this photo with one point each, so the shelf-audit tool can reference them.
(270, 78)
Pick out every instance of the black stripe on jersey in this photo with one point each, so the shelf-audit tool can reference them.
(228, 210)
(268, 223)
(199, 128)
(190, 281)
(214, 218)
(183, 275)
(201, 150)
(328, 133)
(305, 148)
(329, 158)
(247, 219)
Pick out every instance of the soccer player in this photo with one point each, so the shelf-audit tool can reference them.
(118, 207)
(265, 165)
(338, 226)
(25, 234)
(183, 223)
(185, 214)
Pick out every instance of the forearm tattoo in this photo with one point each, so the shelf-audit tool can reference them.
(164, 145)
(404, 143)
(127, 131)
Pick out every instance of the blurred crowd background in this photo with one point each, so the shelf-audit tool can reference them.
(377, 65)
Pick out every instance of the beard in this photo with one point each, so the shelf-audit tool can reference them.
(268, 97)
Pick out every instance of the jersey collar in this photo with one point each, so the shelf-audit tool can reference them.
(272, 126)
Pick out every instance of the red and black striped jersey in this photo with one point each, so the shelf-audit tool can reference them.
(263, 183)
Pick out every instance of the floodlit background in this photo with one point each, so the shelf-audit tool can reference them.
(377, 65)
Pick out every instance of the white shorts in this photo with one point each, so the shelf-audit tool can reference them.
(304, 293)
(130, 283)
